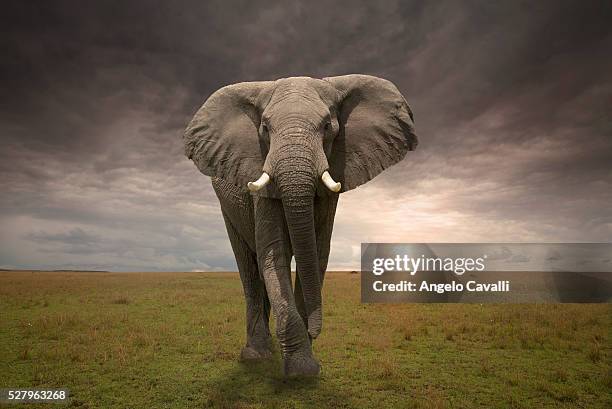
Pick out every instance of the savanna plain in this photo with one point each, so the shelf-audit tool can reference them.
(172, 340)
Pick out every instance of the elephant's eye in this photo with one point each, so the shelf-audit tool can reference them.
(264, 129)
(327, 126)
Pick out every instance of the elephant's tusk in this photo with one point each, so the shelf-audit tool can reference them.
(263, 180)
(330, 183)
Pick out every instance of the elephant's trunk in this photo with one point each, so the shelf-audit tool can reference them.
(296, 169)
(300, 221)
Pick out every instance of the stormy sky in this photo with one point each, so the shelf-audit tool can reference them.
(512, 103)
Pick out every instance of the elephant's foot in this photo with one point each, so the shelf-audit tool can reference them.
(251, 353)
(301, 364)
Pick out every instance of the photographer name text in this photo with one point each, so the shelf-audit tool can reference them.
(441, 288)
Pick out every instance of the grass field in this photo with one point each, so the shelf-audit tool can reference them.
(172, 340)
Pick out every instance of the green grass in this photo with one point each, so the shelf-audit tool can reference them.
(172, 340)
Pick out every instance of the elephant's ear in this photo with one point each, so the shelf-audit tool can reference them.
(222, 139)
(376, 129)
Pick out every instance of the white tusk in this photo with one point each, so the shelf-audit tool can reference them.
(263, 180)
(330, 183)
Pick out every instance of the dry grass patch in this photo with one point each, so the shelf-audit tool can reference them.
(121, 300)
(173, 339)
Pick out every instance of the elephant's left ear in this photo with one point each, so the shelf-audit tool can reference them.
(376, 129)
(222, 138)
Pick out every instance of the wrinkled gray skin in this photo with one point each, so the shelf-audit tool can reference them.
(294, 129)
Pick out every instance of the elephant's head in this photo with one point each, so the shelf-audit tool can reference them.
(298, 137)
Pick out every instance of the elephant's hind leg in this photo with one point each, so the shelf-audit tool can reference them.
(257, 303)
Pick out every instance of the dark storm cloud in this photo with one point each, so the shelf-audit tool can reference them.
(511, 101)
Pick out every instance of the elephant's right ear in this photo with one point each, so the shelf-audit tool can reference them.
(223, 140)
(376, 129)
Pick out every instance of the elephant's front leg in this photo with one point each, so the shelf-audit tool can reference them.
(257, 304)
(274, 259)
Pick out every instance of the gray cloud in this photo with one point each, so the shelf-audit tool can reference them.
(511, 101)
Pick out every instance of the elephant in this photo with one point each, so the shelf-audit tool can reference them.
(279, 153)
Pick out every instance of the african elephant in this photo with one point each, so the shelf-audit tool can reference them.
(279, 153)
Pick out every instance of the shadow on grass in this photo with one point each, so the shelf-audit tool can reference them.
(262, 384)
